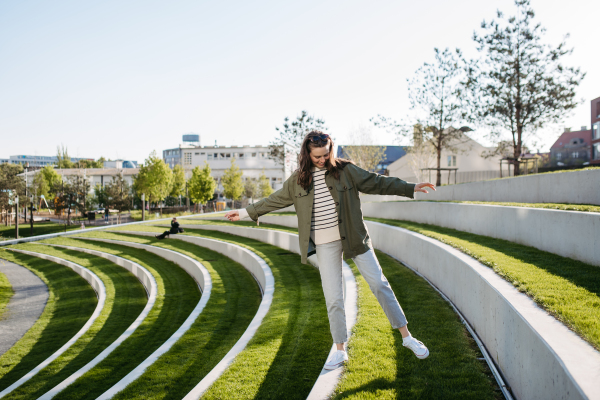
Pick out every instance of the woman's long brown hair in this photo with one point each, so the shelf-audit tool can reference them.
(334, 165)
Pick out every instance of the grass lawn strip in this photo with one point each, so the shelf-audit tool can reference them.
(39, 228)
(125, 298)
(177, 295)
(150, 290)
(6, 292)
(379, 367)
(233, 302)
(285, 356)
(567, 288)
(71, 302)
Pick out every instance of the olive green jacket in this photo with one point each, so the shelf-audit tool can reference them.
(355, 238)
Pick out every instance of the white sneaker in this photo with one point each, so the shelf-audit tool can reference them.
(337, 360)
(416, 346)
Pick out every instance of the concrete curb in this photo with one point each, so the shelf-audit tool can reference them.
(569, 234)
(146, 278)
(327, 380)
(263, 275)
(198, 273)
(96, 284)
(539, 356)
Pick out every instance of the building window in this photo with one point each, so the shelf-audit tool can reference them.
(558, 156)
(241, 156)
(452, 161)
(596, 130)
(575, 154)
(596, 149)
(196, 154)
(228, 155)
(210, 156)
(187, 158)
(253, 154)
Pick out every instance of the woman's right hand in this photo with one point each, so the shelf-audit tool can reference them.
(233, 215)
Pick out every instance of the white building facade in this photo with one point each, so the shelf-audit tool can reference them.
(252, 161)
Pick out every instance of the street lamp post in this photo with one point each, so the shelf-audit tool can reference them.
(31, 214)
(16, 216)
(143, 207)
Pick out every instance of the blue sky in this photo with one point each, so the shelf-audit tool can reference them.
(123, 78)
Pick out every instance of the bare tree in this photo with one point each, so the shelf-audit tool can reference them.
(362, 149)
(520, 85)
(421, 154)
(292, 134)
(436, 96)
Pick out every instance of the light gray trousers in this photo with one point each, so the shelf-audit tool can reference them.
(329, 257)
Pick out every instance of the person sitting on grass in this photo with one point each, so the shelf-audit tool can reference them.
(324, 191)
(175, 229)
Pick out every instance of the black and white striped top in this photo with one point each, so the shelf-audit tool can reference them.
(324, 223)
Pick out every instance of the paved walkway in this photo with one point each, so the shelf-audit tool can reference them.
(26, 305)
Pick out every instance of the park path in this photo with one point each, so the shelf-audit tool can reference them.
(26, 305)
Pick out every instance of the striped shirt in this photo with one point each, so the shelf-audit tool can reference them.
(324, 222)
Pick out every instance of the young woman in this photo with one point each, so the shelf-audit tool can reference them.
(324, 191)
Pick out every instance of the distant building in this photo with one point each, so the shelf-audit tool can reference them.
(95, 176)
(468, 158)
(595, 124)
(39, 161)
(572, 148)
(120, 164)
(252, 161)
(392, 153)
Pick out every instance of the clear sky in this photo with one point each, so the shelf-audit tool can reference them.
(122, 78)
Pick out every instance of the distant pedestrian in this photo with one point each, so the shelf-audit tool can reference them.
(106, 211)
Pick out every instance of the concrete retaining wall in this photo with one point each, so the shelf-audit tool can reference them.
(539, 357)
(576, 187)
(569, 234)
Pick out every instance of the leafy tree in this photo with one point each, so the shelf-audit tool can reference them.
(292, 133)
(520, 84)
(264, 186)
(233, 187)
(51, 177)
(118, 194)
(155, 179)
(71, 195)
(10, 184)
(201, 186)
(436, 95)
(100, 195)
(178, 188)
(39, 186)
(62, 157)
(250, 188)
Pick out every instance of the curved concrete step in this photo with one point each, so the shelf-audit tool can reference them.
(264, 277)
(540, 358)
(100, 289)
(198, 272)
(327, 380)
(149, 283)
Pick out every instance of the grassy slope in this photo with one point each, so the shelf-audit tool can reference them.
(70, 304)
(6, 292)
(286, 355)
(125, 299)
(39, 228)
(233, 302)
(568, 289)
(379, 367)
(177, 295)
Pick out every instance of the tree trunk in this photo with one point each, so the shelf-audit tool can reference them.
(438, 175)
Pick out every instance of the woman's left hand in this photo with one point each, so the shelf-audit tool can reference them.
(419, 187)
